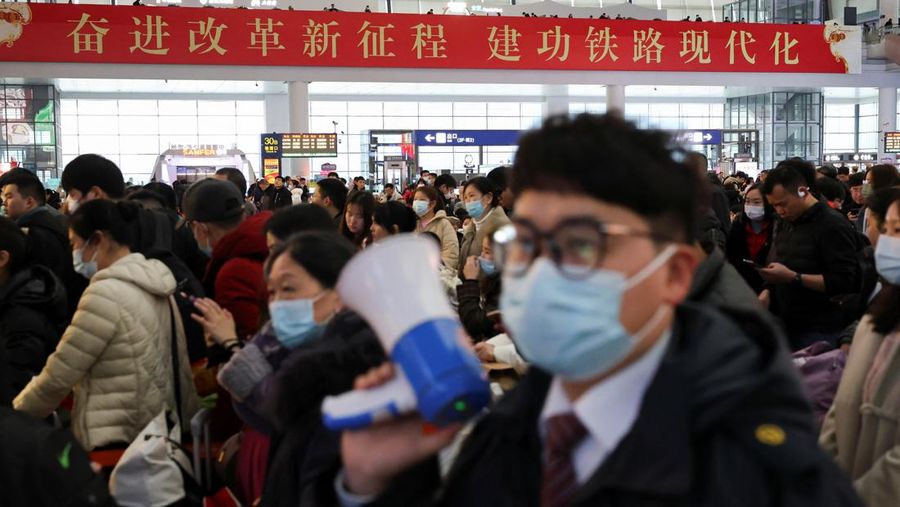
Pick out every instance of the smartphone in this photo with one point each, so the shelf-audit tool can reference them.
(753, 263)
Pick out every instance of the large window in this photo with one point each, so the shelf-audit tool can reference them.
(28, 129)
(134, 132)
(851, 128)
(352, 120)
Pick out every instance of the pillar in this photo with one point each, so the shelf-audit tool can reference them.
(887, 117)
(615, 99)
(298, 107)
(556, 99)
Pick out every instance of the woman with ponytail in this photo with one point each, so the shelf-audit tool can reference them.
(117, 353)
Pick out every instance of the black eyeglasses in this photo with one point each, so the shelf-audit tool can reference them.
(577, 246)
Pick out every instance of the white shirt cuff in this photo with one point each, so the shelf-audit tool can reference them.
(346, 498)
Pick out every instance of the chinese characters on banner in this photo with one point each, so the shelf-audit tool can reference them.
(111, 34)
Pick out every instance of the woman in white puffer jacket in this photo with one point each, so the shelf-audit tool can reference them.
(116, 353)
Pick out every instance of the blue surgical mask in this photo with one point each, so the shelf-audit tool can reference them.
(294, 321)
(420, 207)
(488, 267)
(571, 328)
(206, 249)
(86, 269)
(475, 209)
(887, 258)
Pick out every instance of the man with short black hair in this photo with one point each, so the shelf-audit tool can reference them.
(814, 259)
(334, 175)
(48, 241)
(331, 194)
(856, 202)
(843, 174)
(299, 218)
(633, 397)
(281, 196)
(389, 193)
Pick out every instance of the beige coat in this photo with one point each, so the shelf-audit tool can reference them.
(473, 235)
(116, 356)
(864, 439)
(441, 226)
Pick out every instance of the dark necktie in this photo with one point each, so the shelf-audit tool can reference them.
(564, 433)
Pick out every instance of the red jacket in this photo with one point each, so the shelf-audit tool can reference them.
(234, 275)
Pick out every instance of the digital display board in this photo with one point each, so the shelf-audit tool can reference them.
(892, 142)
(299, 145)
(309, 145)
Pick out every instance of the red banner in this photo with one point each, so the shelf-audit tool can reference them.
(205, 36)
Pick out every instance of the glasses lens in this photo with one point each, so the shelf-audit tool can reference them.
(513, 249)
(580, 248)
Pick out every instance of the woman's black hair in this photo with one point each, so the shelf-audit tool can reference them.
(366, 200)
(395, 213)
(883, 309)
(117, 219)
(770, 211)
(484, 186)
(323, 254)
(298, 218)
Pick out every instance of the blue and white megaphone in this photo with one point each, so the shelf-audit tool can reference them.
(395, 286)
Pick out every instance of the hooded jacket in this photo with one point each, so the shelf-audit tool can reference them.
(32, 317)
(234, 276)
(441, 226)
(724, 422)
(48, 246)
(116, 355)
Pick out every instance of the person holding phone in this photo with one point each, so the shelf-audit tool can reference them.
(750, 238)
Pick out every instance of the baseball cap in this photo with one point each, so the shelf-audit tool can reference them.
(212, 200)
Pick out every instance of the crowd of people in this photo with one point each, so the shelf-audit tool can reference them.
(649, 309)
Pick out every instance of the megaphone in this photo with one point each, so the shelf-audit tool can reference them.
(394, 285)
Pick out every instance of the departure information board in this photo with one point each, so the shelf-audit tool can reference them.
(892, 142)
(299, 145)
(309, 145)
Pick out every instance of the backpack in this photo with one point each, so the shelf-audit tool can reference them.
(820, 366)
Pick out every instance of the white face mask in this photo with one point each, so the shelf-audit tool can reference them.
(72, 205)
(887, 258)
(755, 213)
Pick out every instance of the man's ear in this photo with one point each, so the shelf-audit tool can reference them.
(5, 259)
(681, 269)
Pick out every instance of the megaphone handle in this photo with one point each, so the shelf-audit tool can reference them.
(361, 408)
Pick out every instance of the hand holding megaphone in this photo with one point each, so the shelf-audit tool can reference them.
(395, 287)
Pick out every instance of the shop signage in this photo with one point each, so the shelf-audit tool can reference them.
(197, 36)
(467, 137)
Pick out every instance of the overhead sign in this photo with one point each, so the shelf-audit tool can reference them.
(851, 157)
(277, 145)
(309, 145)
(467, 137)
(892, 142)
(700, 137)
(38, 32)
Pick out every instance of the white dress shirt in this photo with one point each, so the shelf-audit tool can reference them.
(608, 410)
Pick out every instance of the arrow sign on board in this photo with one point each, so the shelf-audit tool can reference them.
(429, 138)
(707, 137)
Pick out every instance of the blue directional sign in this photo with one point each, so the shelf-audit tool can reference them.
(467, 137)
(699, 137)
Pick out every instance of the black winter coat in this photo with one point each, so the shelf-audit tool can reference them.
(48, 246)
(723, 423)
(281, 198)
(43, 467)
(302, 448)
(736, 250)
(820, 242)
(473, 313)
(32, 318)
